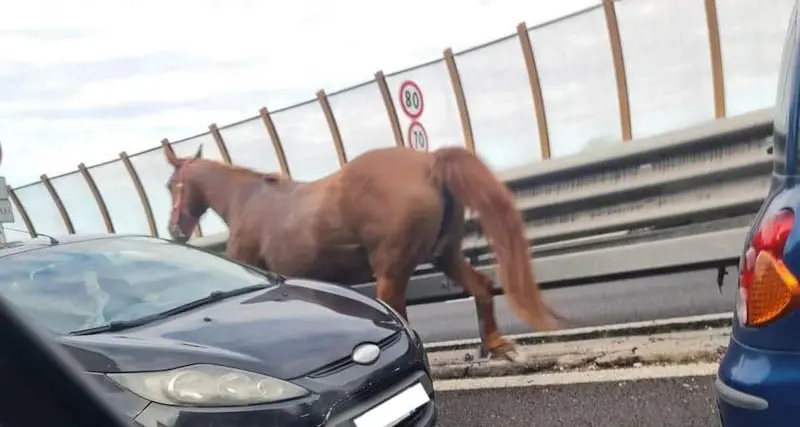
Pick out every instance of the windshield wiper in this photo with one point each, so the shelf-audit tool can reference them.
(212, 298)
(115, 325)
(215, 296)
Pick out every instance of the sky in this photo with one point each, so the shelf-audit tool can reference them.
(83, 80)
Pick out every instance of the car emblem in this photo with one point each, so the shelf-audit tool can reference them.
(365, 354)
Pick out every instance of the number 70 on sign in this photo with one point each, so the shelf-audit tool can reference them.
(417, 136)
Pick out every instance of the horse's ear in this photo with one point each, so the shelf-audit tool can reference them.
(199, 152)
(169, 154)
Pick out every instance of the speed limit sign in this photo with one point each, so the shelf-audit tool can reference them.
(411, 99)
(417, 137)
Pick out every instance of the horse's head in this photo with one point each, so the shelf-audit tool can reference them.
(189, 201)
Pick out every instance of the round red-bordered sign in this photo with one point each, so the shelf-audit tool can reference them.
(410, 98)
(417, 136)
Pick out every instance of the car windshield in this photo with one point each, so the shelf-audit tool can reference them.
(88, 284)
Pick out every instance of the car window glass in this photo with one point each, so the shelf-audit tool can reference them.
(86, 284)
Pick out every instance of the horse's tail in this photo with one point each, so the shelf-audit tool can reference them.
(473, 184)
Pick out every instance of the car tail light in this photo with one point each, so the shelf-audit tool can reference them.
(767, 289)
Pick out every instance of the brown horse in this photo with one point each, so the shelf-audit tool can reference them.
(380, 216)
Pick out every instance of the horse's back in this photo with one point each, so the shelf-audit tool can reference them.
(387, 197)
(397, 167)
(391, 174)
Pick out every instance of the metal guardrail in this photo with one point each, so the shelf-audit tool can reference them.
(594, 206)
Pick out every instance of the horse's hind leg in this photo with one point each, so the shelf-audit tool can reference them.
(479, 286)
(391, 278)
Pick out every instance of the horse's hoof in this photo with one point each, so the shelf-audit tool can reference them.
(514, 356)
(508, 351)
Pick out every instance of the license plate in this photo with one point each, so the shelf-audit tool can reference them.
(394, 410)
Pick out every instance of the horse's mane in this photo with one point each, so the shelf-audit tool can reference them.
(247, 172)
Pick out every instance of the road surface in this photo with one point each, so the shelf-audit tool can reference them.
(684, 401)
(675, 295)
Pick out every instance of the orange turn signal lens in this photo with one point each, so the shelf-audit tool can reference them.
(772, 290)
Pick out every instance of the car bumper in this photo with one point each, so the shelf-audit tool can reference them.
(339, 398)
(757, 387)
(295, 414)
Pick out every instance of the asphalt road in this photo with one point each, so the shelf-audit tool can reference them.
(663, 402)
(675, 295)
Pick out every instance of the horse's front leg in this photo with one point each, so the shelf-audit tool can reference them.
(236, 249)
(393, 292)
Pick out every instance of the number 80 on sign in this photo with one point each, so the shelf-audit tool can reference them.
(417, 137)
(411, 99)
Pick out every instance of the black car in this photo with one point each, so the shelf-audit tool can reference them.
(178, 336)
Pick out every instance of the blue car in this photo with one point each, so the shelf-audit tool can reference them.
(758, 381)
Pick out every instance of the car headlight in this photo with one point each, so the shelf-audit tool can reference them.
(207, 385)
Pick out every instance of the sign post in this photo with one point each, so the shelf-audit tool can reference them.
(413, 105)
(6, 213)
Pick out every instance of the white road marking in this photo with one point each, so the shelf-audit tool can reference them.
(579, 377)
(465, 299)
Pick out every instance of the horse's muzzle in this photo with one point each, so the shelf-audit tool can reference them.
(177, 234)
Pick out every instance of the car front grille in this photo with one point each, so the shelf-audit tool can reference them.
(346, 361)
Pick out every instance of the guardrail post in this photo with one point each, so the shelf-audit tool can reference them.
(332, 126)
(21, 210)
(715, 52)
(461, 100)
(101, 204)
(137, 182)
(59, 203)
(223, 149)
(167, 146)
(391, 112)
(276, 140)
(536, 89)
(619, 69)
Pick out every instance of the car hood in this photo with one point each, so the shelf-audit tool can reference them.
(285, 331)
